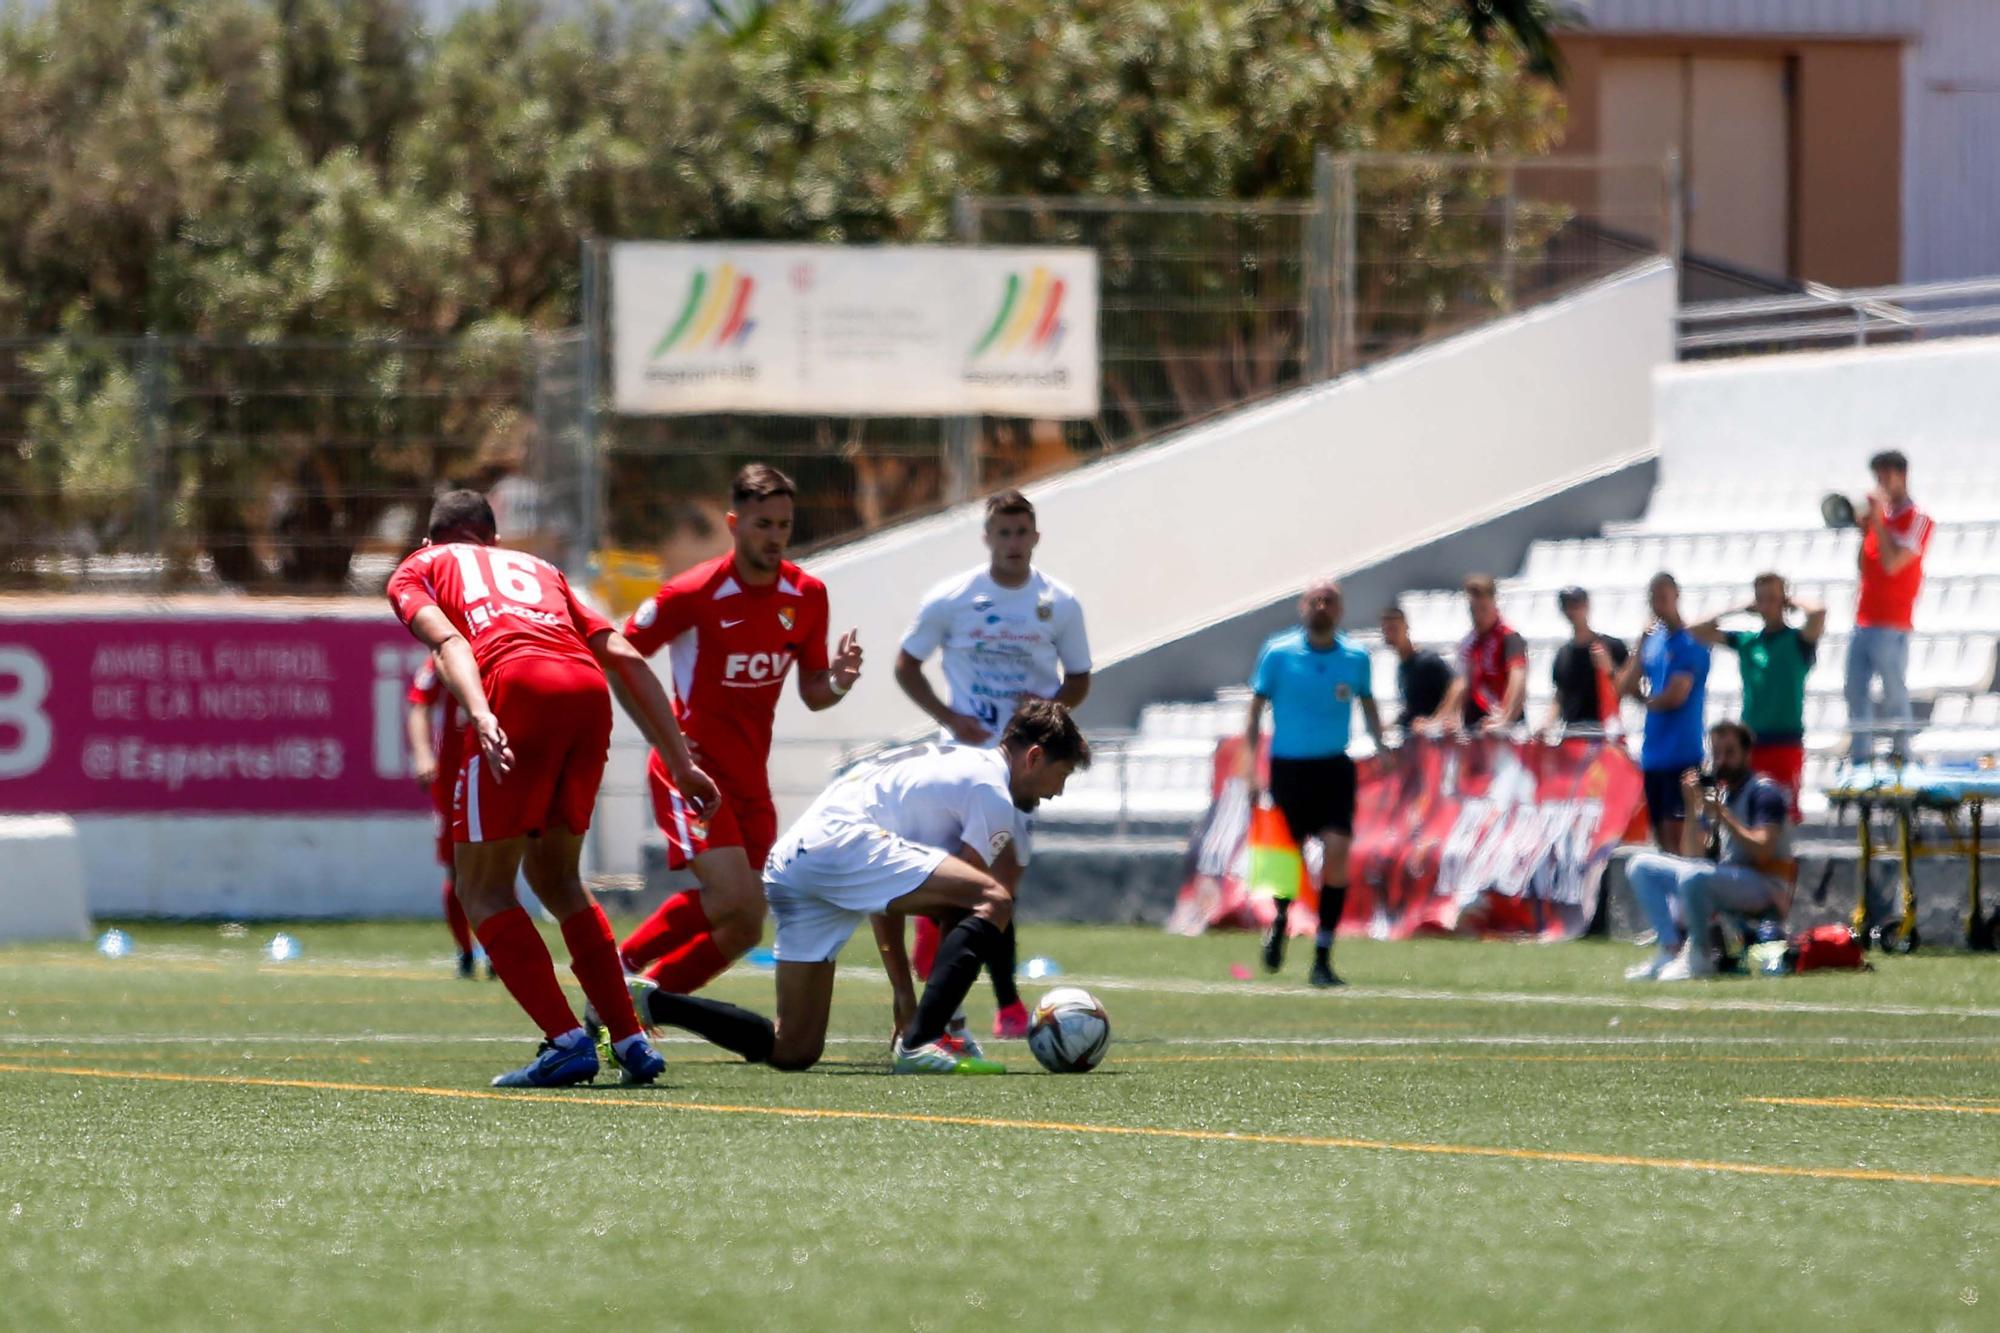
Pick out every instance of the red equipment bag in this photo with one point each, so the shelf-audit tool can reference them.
(1827, 946)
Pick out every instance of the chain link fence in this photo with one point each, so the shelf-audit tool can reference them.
(308, 466)
(177, 463)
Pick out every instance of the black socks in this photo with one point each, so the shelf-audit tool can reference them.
(1000, 967)
(962, 951)
(729, 1026)
(1332, 901)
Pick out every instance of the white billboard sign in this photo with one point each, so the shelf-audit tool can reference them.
(853, 330)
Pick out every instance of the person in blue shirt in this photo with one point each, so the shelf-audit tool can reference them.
(1312, 677)
(1670, 674)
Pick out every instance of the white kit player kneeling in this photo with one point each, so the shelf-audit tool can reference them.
(925, 830)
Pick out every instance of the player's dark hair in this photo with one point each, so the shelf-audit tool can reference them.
(1890, 460)
(462, 511)
(1481, 585)
(1731, 727)
(759, 481)
(1768, 576)
(1009, 502)
(1663, 580)
(1395, 612)
(1046, 723)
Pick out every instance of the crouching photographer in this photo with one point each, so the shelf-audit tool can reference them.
(1749, 816)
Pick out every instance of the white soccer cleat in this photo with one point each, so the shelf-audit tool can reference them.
(933, 1058)
(1650, 969)
(638, 987)
(1682, 968)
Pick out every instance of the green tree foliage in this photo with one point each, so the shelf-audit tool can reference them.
(271, 171)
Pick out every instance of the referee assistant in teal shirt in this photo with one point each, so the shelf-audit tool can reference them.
(1312, 677)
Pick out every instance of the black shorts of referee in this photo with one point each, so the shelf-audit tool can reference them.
(1315, 795)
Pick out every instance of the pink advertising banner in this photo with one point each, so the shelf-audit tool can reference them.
(205, 715)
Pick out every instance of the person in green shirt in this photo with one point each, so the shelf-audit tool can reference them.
(1775, 660)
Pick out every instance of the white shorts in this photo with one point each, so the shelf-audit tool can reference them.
(822, 881)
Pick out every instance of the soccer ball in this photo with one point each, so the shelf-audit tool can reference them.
(1070, 1031)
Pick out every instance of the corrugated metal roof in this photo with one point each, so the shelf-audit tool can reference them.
(1745, 17)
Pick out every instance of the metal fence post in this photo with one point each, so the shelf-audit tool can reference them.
(1319, 264)
(150, 411)
(958, 455)
(1675, 206)
(1346, 222)
(589, 479)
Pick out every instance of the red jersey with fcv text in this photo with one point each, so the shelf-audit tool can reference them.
(732, 645)
(509, 605)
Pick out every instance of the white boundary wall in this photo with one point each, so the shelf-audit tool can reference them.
(1825, 413)
(41, 890)
(1232, 515)
(260, 865)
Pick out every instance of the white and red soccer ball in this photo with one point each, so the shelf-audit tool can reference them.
(1069, 1032)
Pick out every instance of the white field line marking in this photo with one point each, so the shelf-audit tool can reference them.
(1351, 994)
(1358, 993)
(1554, 1040)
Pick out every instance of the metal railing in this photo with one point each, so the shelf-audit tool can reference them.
(1823, 317)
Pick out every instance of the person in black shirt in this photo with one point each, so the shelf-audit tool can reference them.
(1584, 670)
(1422, 677)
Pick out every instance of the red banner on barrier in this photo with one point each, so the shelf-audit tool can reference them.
(164, 714)
(1473, 837)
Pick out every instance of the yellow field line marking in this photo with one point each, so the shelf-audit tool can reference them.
(1880, 1104)
(1636, 1057)
(1058, 1127)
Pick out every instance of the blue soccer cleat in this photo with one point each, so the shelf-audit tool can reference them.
(640, 1064)
(556, 1065)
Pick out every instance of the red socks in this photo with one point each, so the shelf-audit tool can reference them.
(925, 951)
(454, 916)
(593, 957)
(690, 967)
(678, 921)
(522, 962)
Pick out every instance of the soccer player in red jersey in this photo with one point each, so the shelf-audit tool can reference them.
(436, 726)
(733, 626)
(528, 663)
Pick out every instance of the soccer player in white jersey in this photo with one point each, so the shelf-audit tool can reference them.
(926, 829)
(1007, 633)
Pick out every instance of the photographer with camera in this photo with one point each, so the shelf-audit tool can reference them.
(1749, 815)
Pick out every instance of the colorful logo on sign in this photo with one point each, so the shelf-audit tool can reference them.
(1029, 320)
(715, 316)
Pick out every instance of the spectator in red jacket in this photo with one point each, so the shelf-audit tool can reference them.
(1492, 686)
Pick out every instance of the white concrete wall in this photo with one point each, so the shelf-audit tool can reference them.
(1226, 517)
(41, 888)
(253, 865)
(1825, 413)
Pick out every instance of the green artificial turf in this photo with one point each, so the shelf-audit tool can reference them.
(205, 1197)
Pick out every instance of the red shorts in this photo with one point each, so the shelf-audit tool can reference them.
(1785, 765)
(557, 716)
(749, 822)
